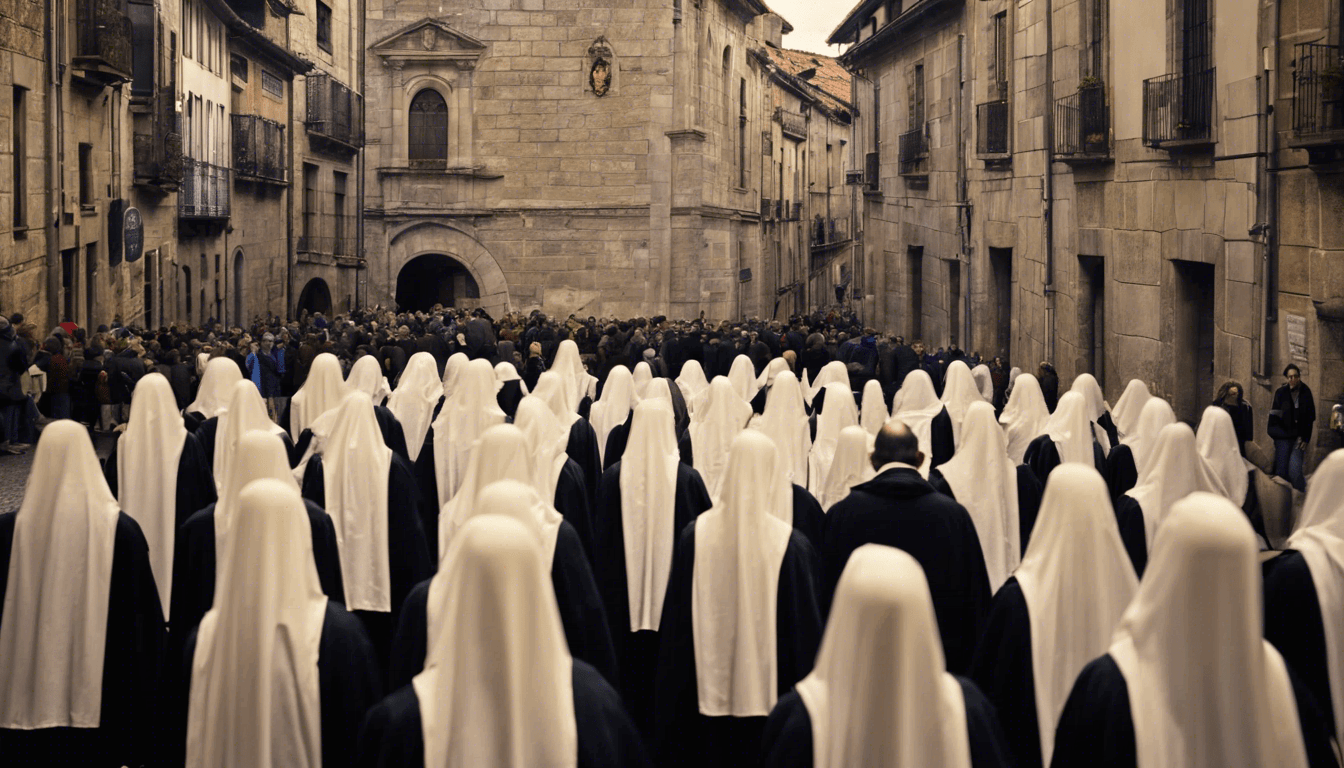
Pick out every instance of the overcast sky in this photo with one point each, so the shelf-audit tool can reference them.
(813, 21)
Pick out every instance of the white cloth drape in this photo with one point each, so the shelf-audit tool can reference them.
(648, 483)
(357, 466)
(1025, 415)
(1174, 471)
(984, 480)
(471, 410)
(216, 386)
(417, 393)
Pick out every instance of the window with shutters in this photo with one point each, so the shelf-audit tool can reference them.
(323, 26)
(427, 144)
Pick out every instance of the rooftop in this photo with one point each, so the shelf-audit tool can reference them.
(831, 79)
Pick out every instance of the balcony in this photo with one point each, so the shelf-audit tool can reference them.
(259, 150)
(102, 41)
(1178, 111)
(1318, 101)
(793, 124)
(1082, 125)
(205, 192)
(913, 152)
(158, 153)
(992, 130)
(335, 113)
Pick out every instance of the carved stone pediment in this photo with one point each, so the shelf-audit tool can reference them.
(430, 41)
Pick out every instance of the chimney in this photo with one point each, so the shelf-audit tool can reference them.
(770, 29)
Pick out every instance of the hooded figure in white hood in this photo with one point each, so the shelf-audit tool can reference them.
(837, 413)
(80, 613)
(1056, 613)
(741, 618)
(576, 594)
(1304, 592)
(879, 695)
(499, 686)
(1173, 471)
(278, 675)
(645, 500)
(1025, 416)
(371, 497)
(418, 393)
(204, 536)
(1188, 681)
(367, 376)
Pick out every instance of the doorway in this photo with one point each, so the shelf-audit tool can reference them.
(954, 302)
(1092, 316)
(1001, 296)
(434, 278)
(239, 306)
(315, 297)
(914, 260)
(1192, 345)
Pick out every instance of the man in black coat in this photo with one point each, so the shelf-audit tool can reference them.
(13, 362)
(123, 371)
(1291, 419)
(899, 508)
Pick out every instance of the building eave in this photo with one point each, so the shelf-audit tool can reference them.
(240, 29)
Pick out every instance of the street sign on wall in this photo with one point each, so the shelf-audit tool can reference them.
(133, 233)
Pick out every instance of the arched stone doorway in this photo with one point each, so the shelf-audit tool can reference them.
(315, 297)
(457, 247)
(434, 278)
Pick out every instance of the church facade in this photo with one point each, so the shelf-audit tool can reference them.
(588, 158)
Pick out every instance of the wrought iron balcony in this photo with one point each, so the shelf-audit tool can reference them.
(259, 150)
(1318, 100)
(1178, 110)
(793, 124)
(205, 192)
(335, 113)
(913, 152)
(992, 127)
(158, 153)
(103, 40)
(827, 233)
(1082, 125)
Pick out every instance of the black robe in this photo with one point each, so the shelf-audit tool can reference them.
(1028, 499)
(619, 436)
(1121, 474)
(195, 566)
(581, 613)
(582, 448)
(1043, 456)
(195, 480)
(1295, 626)
(409, 562)
(788, 732)
(1003, 669)
(509, 396)
(130, 729)
(900, 509)
(393, 437)
(348, 684)
(192, 420)
(1096, 728)
(636, 652)
(1129, 516)
(393, 735)
(209, 428)
(943, 443)
(686, 737)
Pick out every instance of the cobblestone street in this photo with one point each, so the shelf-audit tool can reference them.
(14, 472)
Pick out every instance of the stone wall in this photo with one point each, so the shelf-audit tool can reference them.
(22, 249)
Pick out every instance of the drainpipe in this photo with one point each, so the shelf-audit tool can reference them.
(361, 290)
(1048, 188)
(54, 202)
(1268, 202)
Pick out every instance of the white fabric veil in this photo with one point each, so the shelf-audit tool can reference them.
(417, 393)
(984, 480)
(648, 483)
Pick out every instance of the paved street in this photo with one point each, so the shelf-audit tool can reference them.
(14, 473)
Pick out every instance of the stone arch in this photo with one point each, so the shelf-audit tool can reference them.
(426, 238)
(315, 297)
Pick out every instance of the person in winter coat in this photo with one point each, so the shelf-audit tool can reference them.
(1291, 419)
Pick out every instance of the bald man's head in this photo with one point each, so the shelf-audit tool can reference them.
(896, 442)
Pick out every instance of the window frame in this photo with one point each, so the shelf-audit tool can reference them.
(416, 153)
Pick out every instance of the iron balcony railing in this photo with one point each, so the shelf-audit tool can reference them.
(259, 149)
(791, 123)
(335, 112)
(205, 191)
(828, 232)
(913, 149)
(992, 121)
(1318, 89)
(103, 39)
(158, 153)
(1178, 109)
(1082, 122)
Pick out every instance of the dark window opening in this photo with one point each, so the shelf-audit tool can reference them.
(1000, 56)
(86, 175)
(914, 257)
(19, 147)
(742, 134)
(308, 241)
(427, 144)
(434, 279)
(238, 65)
(338, 196)
(323, 26)
(186, 292)
(1001, 269)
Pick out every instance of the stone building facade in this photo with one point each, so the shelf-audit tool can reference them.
(175, 120)
(593, 158)
(1037, 189)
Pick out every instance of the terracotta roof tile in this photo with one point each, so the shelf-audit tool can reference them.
(831, 78)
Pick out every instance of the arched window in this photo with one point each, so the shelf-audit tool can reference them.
(428, 137)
